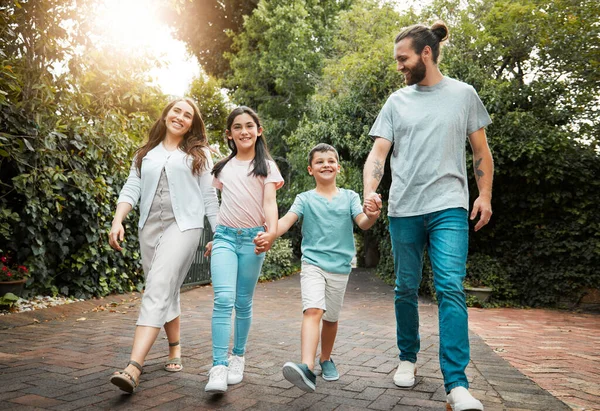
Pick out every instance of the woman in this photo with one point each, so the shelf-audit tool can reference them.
(170, 176)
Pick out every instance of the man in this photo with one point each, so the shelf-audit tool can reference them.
(427, 123)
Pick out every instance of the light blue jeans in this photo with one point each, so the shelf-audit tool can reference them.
(446, 235)
(235, 270)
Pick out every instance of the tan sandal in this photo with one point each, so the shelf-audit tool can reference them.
(174, 361)
(126, 381)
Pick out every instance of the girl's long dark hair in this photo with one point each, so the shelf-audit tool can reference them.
(192, 144)
(260, 167)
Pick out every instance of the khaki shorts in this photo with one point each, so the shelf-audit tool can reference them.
(322, 290)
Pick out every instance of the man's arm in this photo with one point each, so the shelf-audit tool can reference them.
(483, 165)
(373, 171)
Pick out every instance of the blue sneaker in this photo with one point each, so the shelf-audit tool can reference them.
(300, 375)
(328, 370)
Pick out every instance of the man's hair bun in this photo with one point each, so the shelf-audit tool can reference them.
(440, 30)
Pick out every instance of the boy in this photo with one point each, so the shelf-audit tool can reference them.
(327, 250)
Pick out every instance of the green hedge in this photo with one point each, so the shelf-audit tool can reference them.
(57, 198)
(279, 261)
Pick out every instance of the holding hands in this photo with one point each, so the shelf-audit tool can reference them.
(263, 242)
(372, 205)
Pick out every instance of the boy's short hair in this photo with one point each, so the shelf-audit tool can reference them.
(321, 148)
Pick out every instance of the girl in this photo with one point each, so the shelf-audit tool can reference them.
(248, 179)
(171, 177)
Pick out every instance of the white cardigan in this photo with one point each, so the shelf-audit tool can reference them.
(192, 196)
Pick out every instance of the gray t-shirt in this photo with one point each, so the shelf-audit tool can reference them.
(429, 126)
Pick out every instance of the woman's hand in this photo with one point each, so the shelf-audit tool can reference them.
(208, 249)
(116, 234)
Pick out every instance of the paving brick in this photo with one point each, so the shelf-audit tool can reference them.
(82, 403)
(370, 393)
(36, 401)
(515, 335)
(384, 402)
(339, 399)
(67, 363)
(422, 403)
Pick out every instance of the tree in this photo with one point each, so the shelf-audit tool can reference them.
(65, 149)
(544, 134)
(357, 79)
(278, 58)
(211, 102)
(207, 26)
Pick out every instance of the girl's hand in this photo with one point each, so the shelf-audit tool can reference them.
(116, 234)
(263, 242)
(208, 249)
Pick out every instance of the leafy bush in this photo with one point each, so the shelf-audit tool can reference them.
(7, 301)
(9, 271)
(279, 261)
(486, 271)
(64, 190)
(66, 144)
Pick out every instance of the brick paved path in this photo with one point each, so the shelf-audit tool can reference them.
(558, 350)
(64, 364)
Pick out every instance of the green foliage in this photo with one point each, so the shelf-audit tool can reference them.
(486, 271)
(541, 94)
(66, 143)
(8, 300)
(357, 79)
(211, 102)
(542, 97)
(207, 27)
(277, 60)
(279, 261)
(107, 80)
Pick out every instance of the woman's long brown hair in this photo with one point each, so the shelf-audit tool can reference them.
(192, 143)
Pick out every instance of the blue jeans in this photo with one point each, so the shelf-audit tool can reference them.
(235, 270)
(446, 235)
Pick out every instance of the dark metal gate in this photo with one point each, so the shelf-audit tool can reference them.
(199, 272)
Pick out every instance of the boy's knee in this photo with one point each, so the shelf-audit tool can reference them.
(313, 312)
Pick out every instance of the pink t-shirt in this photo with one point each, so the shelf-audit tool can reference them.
(242, 194)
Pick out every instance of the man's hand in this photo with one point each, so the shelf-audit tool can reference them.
(482, 206)
(372, 204)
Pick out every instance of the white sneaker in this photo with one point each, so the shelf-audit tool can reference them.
(460, 399)
(235, 373)
(217, 379)
(405, 374)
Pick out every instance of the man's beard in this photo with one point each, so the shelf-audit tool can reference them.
(416, 74)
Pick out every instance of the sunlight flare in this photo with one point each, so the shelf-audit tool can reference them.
(134, 26)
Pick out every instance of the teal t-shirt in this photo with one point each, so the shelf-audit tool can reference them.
(327, 229)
